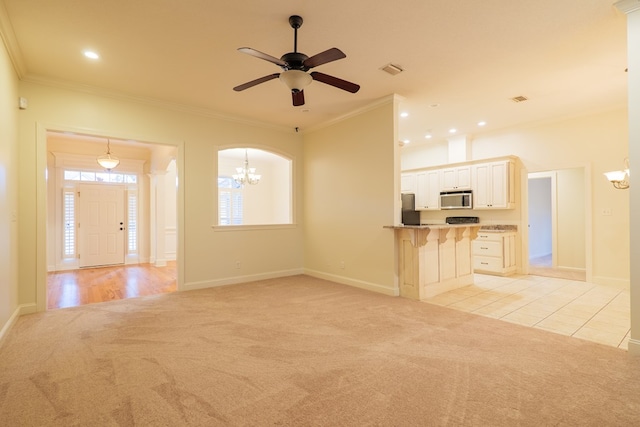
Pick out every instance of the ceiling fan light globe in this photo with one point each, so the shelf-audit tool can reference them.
(295, 80)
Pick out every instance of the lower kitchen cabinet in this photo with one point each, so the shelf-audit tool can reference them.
(495, 253)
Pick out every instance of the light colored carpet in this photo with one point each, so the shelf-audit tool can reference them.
(303, 351)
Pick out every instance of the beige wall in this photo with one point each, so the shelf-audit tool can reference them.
(9, 212)
(596, 143)
(209, 255)
(571, 218)
(349, 179)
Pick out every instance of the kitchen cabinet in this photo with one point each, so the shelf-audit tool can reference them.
(495, 253)
(493, 185)
(408, 183)
(434, 259)
(457, 178)
(428, 190)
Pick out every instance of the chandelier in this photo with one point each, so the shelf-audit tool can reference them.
(245, 174)
(619, 179)
(108, 161)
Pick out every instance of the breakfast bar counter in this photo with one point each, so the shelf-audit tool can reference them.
(433, 259)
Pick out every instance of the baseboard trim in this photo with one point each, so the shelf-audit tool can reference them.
(633, 347)
(19, 311)
(611, 281)
(27, 309)
(374, 287)
(240, 279)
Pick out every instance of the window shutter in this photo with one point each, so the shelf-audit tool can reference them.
(224, 207)
(132, 221)
(69, 214)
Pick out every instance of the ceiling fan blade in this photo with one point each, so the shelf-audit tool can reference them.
(261, 55)
(329, 55)
(336, 82)
(252, 83)
(298, 98)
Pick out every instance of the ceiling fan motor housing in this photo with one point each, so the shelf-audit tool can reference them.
(295, 61)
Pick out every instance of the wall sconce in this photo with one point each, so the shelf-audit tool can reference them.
(619, 179)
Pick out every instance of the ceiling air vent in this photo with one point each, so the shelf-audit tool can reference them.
(519, 98)
(392, 69)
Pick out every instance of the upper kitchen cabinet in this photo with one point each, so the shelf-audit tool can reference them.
(457, 178)
(428, 190)
(408, 183)
(494, 185)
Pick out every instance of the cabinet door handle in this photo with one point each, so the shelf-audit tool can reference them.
(483, 248)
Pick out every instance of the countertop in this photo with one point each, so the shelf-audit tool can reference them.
(440, 226)
(432, 226)
(499, 228)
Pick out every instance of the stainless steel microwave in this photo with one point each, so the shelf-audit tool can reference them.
(456, 199)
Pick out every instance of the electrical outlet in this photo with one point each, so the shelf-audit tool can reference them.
(342, 265)
(606, 212)
(237, 264)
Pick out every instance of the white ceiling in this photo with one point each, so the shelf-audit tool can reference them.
(467, 57)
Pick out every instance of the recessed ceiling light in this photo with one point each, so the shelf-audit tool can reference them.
(434, 105)
(482, 123)
(406, 141)
(428, 136)
(404, 114)
(453, 130)
(91, 54)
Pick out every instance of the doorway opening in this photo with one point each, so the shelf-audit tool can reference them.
(557, 223)
(110, 234)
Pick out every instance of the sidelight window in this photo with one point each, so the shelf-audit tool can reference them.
(69, 223)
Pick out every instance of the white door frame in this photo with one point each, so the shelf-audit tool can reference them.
(588, 220)
(41, 202)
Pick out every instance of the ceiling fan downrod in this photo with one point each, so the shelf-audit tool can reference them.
(296, 22)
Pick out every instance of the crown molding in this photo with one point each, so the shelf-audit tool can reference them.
(8, 37)
(373, 105)
(187, 109)
(627, 6)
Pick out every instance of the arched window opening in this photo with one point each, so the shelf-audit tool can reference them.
(265, 202)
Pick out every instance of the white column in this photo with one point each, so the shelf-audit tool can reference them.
(157, 218)
(632, 9)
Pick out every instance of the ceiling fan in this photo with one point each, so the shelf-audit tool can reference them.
(295, 66)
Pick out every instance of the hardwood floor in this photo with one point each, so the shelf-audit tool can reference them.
(91, 285)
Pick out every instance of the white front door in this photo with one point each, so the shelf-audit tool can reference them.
(101, 233)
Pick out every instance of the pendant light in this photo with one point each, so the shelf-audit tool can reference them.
(108, 161)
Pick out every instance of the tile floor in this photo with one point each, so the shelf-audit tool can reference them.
(580, 309)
